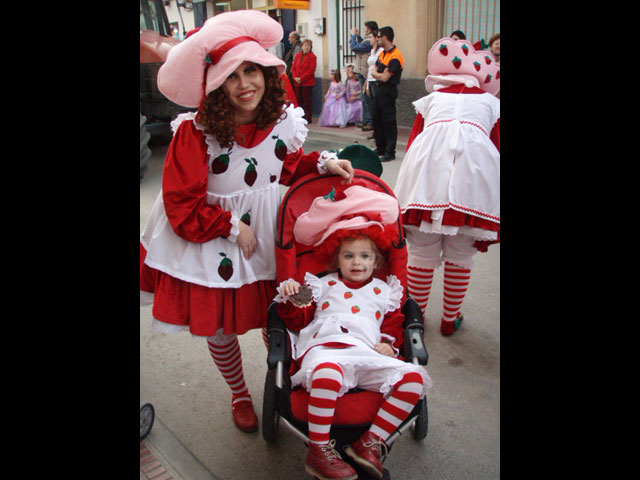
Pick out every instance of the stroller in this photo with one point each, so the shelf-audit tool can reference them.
(356, 409)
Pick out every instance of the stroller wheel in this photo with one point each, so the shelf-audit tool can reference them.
(147, 415)
(270, 417)
(422, 422)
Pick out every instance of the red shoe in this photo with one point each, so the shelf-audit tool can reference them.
(367, 452)
(325, 463)
(449, 328)
(244, 417)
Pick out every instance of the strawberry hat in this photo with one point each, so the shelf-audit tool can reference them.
(357, 208)
(457, 61)
(202, 62)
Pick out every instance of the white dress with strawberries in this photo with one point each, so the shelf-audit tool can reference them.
(353, 317)
(244, 181)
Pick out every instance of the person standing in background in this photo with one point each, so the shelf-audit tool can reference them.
(387, 74)
(303, 73)
(296, 46)
(362, 49)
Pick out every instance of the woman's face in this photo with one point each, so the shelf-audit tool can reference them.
(245, 88)
(306, 48)
(356, 260)
(495, 47)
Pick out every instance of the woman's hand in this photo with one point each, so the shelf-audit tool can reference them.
(246, 240)
(341, 167)
(384, 349)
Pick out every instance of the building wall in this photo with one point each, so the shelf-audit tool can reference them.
(417, 26)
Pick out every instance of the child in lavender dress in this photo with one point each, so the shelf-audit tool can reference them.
(334, 111)
(354, 101)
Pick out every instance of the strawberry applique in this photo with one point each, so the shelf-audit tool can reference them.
(348, 295)
(456, 62)
(355, 309)
(487, 59)
(281, 149)
(344, 329)
(272, 177)
(250, 173)
(246, 218)
(477, 66)
(225, 269)
(332, 283)
(497, 74)
(488, 79)
(378, 314)
(324, 305)
(443, 50)
(465, 49)
(220, 163)
(377, 290)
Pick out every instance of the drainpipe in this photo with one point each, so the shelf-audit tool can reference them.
(338, 31)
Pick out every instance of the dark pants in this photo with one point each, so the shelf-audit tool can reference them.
(305, 100)
(385, 128)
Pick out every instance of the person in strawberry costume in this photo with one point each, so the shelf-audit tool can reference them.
(448, 184)
(346, 331)
(207, 260)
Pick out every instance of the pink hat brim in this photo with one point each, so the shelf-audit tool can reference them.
(181, 77)
(366, 207)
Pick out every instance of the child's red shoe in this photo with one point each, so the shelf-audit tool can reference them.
(244, 416)
(325, 463)
(367, 452)
(449, 328)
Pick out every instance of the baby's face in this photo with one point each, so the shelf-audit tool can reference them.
(356, 260)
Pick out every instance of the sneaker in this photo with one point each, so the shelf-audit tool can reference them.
(449, 328)
(325, 463)
(367, 452)
(244, 416)
(360, 125)
(367, 128)
(387, 157)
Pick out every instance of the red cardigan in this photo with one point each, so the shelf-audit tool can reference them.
(305, 68)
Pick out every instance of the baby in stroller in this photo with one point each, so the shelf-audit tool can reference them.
(347, 325)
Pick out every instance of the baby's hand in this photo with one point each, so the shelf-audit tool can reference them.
(385, 349)
(289, 288)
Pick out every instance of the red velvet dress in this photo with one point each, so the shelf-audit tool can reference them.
(185, 204)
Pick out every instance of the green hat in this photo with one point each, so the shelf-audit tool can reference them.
(362, 158)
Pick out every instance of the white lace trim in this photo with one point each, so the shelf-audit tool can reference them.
(235, 229)
(316, 285)
(395, 293)
(279, 298)
(300, 129)
(181, 118)
(385, 388)
(325, 156)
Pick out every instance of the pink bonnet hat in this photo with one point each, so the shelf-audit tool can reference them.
(203, 61)
(457, 61)
(359, 208)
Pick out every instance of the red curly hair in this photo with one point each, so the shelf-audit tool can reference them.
(381, 241)
(216, 113)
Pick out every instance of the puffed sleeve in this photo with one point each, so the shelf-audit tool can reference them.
(391, 329)
(392, 325)
(297, 165)
(495, 134)
(418, 126)
(184, 189)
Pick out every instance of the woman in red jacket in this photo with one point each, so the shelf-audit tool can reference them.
(303, 73)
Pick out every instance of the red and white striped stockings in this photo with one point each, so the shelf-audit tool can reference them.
(225, 351)
(456, 282)
(325, 384)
